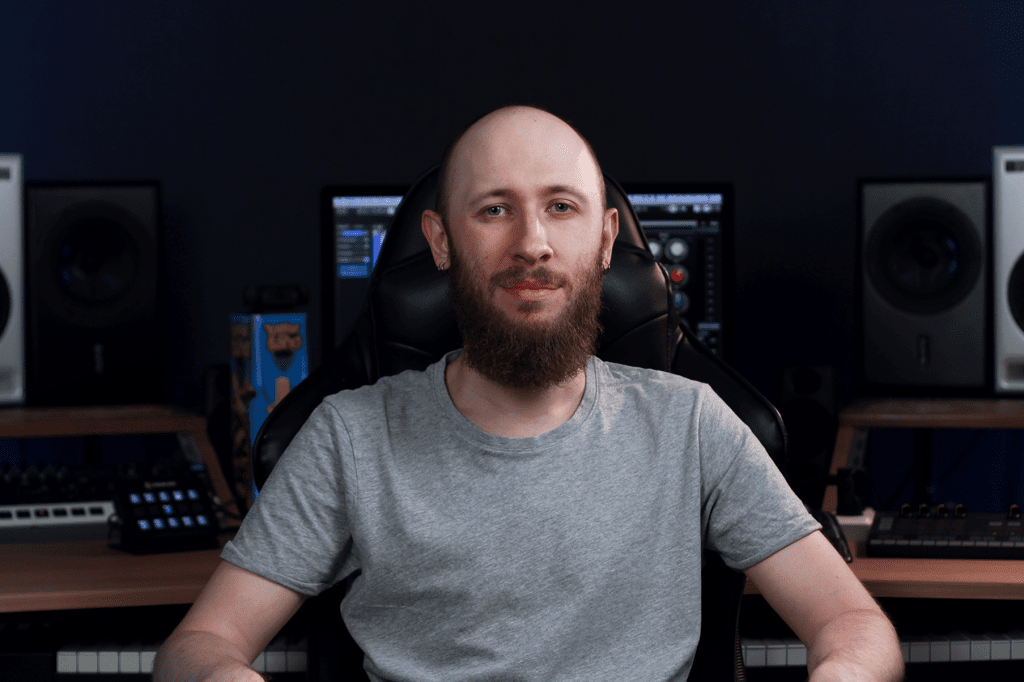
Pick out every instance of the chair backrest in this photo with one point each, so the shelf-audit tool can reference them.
(408, 323)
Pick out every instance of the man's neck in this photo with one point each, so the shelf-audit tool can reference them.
(512, 413)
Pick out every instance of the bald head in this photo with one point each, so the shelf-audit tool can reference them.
(507, 138)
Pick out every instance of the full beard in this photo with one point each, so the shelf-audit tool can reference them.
(517, 354)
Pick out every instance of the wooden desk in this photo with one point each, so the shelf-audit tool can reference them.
(930, 578)
(938, 578)
(89, 574)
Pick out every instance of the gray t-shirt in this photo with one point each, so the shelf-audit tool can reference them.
(573, 555)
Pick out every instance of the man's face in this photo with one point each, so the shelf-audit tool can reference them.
(527, 236)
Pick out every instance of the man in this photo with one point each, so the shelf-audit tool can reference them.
(522, 510)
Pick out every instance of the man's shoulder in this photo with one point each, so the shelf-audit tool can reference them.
(649, 380)
(387, 389)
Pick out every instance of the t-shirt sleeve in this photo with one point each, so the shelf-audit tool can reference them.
(748, 510)
(297, 533)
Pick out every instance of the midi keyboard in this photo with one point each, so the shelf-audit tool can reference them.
(946, 533)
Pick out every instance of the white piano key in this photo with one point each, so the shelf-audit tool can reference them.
(130, 659)
(88, 660)
(146, 658)
(938, 649)
(1000, 644)
(775, 652)
(959, 647)
(796, 653)
(296, 656)
(920, 649)
(981, 648)
(67, 659)
(1016, 645)
(754, 653)
(107, 659)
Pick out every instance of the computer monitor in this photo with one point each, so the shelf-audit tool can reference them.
(689, 227)
(354, 220)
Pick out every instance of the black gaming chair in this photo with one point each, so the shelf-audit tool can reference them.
(408, 323)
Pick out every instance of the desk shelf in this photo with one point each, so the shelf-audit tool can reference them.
(58, 422)
(89, 574)
(930, 578)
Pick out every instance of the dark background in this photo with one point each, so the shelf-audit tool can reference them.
(243, 110)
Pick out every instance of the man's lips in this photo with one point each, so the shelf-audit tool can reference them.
(531, 285)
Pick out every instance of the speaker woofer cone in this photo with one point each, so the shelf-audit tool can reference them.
(94, 264)
(97, 262)
(923, 256)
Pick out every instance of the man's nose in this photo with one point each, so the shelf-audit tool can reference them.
(532, 243)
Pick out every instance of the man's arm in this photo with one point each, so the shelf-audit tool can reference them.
(848, 637)
(235, 616)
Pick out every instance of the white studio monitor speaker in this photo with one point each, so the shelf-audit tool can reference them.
(1008, 267)
(12, 297)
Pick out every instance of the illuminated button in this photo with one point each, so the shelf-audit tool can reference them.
(158, 523)
(655, 247)
(681, 301)
(134, 498)
(172, 522)
(143, 524)
(164, 497)
(168, 509)
(193, 494)
(187, 521)
(149, 497)
(178, 496)
(679, 275)
(677, 249)
(202, 520)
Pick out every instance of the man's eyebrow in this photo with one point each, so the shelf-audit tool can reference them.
(547, 191)
(565, 189)
(491, 193)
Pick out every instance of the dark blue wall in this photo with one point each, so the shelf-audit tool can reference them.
(244, 110)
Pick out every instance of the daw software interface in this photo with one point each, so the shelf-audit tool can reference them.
(354, 221)
(689, 229)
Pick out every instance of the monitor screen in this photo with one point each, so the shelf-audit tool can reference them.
(689, 228)
(354, 220)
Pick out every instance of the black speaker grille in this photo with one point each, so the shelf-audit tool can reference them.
(924, 256)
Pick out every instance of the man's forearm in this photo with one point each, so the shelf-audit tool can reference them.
(859, 646)
(197, 656)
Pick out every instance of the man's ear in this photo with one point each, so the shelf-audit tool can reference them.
(433, 230)
(611, 231)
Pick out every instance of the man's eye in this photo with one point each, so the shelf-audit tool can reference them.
(494, 210)
(561, 207)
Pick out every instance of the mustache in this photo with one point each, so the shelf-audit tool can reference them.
(517, 274)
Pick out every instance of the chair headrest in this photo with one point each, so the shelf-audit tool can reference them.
(414, 323)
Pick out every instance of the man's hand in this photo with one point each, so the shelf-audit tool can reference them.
(848, 637)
